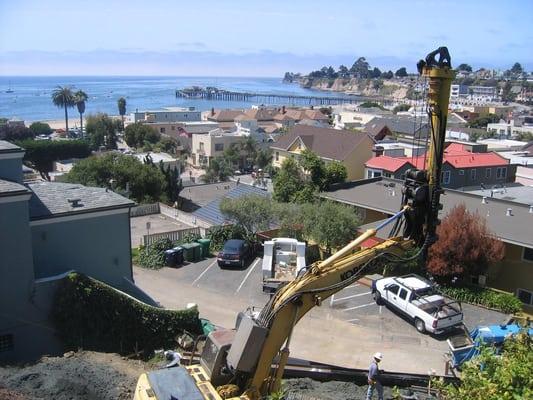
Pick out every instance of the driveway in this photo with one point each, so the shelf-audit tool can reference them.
(345, 331)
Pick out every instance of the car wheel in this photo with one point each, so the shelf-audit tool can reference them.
(420, 326)
(377, 297)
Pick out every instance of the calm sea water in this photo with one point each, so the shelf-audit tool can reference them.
(31, 100)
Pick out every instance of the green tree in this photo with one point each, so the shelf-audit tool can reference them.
(121, 103)
(507, 376)
(387, 75)
(313, 166)
(80, 97)
(335, 172)
(41, 154)
(517, 69)
(101, 131)
(330, 224)
(263, 158)
(173, 182)
(127, 175)
(137, 134)
(376, 73)
(232, 155)
(507, 95)
(13, 133)
(249, 146)
(360, 68)
(465, 68)
(401, 73)
(40, 128)
(482, 122)
(343, 71)
(62, 97)
(218, 170)
(252, 212)
(287, 181)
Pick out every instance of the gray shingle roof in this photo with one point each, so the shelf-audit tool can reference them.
(377, 194)
(50, 199)
(8, 188)
(403, 125)
(211, 213)
(7, 147)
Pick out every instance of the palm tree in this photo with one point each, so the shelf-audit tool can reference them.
(80, 97)
(62, 96)
(122, 109)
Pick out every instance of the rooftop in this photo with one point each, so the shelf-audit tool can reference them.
(201, 195)
(51, 199)
(8, 188)
(384, 195)
(328, 143)
(7, 147)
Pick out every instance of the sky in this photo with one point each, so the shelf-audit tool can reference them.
(255, 38)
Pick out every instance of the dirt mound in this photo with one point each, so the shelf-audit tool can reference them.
(308, 389)
(83, 375)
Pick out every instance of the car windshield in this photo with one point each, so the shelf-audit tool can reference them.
(231, 247)
(427, 291)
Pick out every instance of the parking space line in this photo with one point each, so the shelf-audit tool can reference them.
(361, 306)
(352, 286)
(352, 296)
(247, 275)
(205, 270)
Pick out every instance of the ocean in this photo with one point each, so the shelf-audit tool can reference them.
(31, 96)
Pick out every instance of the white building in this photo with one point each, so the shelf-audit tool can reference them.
(166, 114)
(509, 129)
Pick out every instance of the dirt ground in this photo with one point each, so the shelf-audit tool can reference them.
(308, 389)
(83, 375)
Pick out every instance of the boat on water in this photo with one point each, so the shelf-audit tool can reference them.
(10, 90)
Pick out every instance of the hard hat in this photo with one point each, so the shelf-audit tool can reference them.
(378, 356)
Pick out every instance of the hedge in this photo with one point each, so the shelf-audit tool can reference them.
(153, 255)
(91, 315)
(500, 301)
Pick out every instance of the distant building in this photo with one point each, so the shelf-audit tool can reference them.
(165, 115)
(349, 148)
(463, 165)
(205, 147)
(509, 129)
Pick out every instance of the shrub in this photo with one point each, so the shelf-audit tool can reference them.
(220, 234)
(504, 302)
(91, 315)
(153, 256)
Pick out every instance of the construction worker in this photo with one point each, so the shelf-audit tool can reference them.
(374, 378)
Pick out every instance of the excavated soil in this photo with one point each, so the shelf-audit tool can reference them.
(308, 389)
(83, 375)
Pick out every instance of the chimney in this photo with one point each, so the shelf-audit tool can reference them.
(509, 212)
(378, 150)
(484, 200)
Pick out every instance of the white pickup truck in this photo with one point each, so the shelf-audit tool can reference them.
(418, 299)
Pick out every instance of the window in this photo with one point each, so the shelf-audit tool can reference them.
(202, 146)
(501, 172)
(387, 174)
(527, 254)
(525, 296)
(277, 156)
(403, 294)
(473, 174)
(488, 172)
(461, 172)
(445, 178)
(162, 130)
(6, 342)
(219, 146)
(393, 288)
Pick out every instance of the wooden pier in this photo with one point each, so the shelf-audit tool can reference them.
(211, 93)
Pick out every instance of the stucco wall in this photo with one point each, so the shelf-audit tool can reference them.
(11, 168)
(99, 247)
(512, 272)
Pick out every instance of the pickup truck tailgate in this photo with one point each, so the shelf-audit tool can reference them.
(450, 315)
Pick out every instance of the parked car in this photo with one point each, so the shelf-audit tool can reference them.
(236, 252)
(419, 300)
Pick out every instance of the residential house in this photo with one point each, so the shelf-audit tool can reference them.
(46, 230)
(510, 221)
(205, 147)
(511, 129)
(402, 126)
(224, 118)
(463, 165)
(355, 118)
(349, 148)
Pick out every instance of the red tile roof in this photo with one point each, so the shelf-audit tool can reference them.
(454, 154)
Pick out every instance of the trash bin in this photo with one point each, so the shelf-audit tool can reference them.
(205, 243)
(188, 251)
(197, 251)
(174, 257)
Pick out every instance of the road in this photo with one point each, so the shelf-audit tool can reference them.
(345, 331)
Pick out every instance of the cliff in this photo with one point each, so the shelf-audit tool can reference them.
(362, 87)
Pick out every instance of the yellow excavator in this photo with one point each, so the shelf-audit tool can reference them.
(248, 362)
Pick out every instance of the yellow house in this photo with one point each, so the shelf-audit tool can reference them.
(349, 148)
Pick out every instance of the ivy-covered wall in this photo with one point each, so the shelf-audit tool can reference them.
(93, 316)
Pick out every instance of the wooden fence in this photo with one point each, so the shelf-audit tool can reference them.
(144, 209)
(172, 235)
